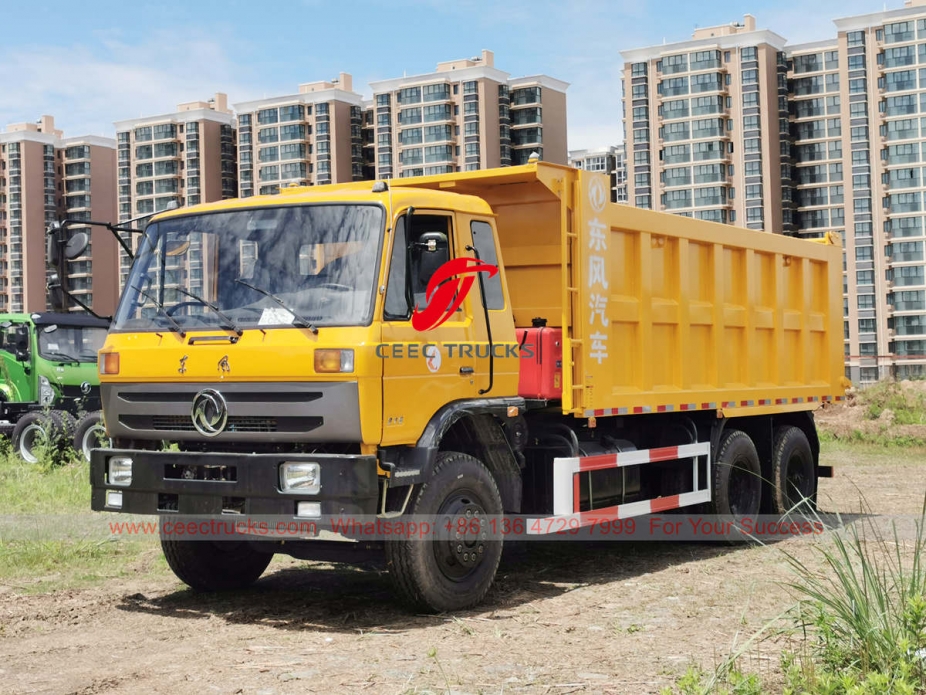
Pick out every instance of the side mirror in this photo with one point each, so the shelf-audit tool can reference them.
(55, 293)
(432, 241)
(51, 249)
(76, 245)
(22, 355)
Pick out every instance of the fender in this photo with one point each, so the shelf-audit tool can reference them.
(6, 393)
(411, 465)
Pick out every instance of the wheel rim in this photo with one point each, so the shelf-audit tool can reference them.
(91, 440)
(463, 552)
(31, 435)
(744, 488)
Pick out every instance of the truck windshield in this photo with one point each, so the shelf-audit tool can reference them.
(70, 343)
(239, 269)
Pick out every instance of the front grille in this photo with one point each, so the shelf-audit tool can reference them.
(271, 412)
(230, 396)
(75, 392)
(235, 424)
(242, 424)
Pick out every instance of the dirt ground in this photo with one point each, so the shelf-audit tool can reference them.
(562, 618)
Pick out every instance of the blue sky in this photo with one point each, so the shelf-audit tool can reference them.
(93, 62)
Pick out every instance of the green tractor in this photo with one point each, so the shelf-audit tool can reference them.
(49, 387)
(49, 384)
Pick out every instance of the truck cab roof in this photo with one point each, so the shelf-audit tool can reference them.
(393, 196)
(47, 318)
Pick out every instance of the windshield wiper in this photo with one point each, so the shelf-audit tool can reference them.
(174, 326)
(305, 322)
(66, 357)
(229, 321)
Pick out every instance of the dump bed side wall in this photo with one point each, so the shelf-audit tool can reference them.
(661, 312)
(672, 313)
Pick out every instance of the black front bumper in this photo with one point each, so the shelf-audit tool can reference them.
(349, 484)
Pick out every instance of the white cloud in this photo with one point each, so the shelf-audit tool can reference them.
(86, 89)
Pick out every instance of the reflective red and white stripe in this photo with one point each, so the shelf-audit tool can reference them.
(683, 407)
(566, 483)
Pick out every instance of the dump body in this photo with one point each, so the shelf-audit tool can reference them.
(663, 313)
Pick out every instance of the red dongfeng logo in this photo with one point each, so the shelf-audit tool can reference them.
(447, 289)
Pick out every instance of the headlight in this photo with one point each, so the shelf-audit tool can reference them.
(120, 471)
(46, 392)
(298, 476)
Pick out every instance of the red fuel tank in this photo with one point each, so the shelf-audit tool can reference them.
(541, 366)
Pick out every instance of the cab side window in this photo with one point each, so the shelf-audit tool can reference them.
(484, 241)
(429, 246)
(419, 249)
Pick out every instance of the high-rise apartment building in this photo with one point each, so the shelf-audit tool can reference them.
(183, 158)
(467, 115)
(706, 124)
(605, 160)
(853, 160)
(313, 137)
(44, 178)
(882, 87)
(368, 139)
(89, 183)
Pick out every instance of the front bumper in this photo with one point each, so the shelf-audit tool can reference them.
(213, 484)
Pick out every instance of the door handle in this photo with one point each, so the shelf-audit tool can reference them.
(466, 370)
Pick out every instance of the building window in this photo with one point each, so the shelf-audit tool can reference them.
(294, 112)
(266, 116)
(409, 95)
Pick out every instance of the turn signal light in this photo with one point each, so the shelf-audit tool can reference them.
(109, 362)
(334, 361)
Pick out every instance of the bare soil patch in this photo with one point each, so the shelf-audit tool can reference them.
(606, 617)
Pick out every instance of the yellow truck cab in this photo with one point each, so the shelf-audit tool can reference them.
(456, 348)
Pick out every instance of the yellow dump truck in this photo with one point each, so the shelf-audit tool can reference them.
(480, 346)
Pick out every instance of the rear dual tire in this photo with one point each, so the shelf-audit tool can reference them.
(737, 475)
(89, 434)
(794, 474)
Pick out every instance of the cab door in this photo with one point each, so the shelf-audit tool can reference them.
(429, 360)
(16, 352)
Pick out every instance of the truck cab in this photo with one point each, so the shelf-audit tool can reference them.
(47, 362)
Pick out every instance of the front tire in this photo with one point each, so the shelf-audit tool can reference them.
(33, 432)
(455, 572)
(215, 565)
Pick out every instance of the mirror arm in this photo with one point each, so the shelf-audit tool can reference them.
(85, 307)
(114, 229)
